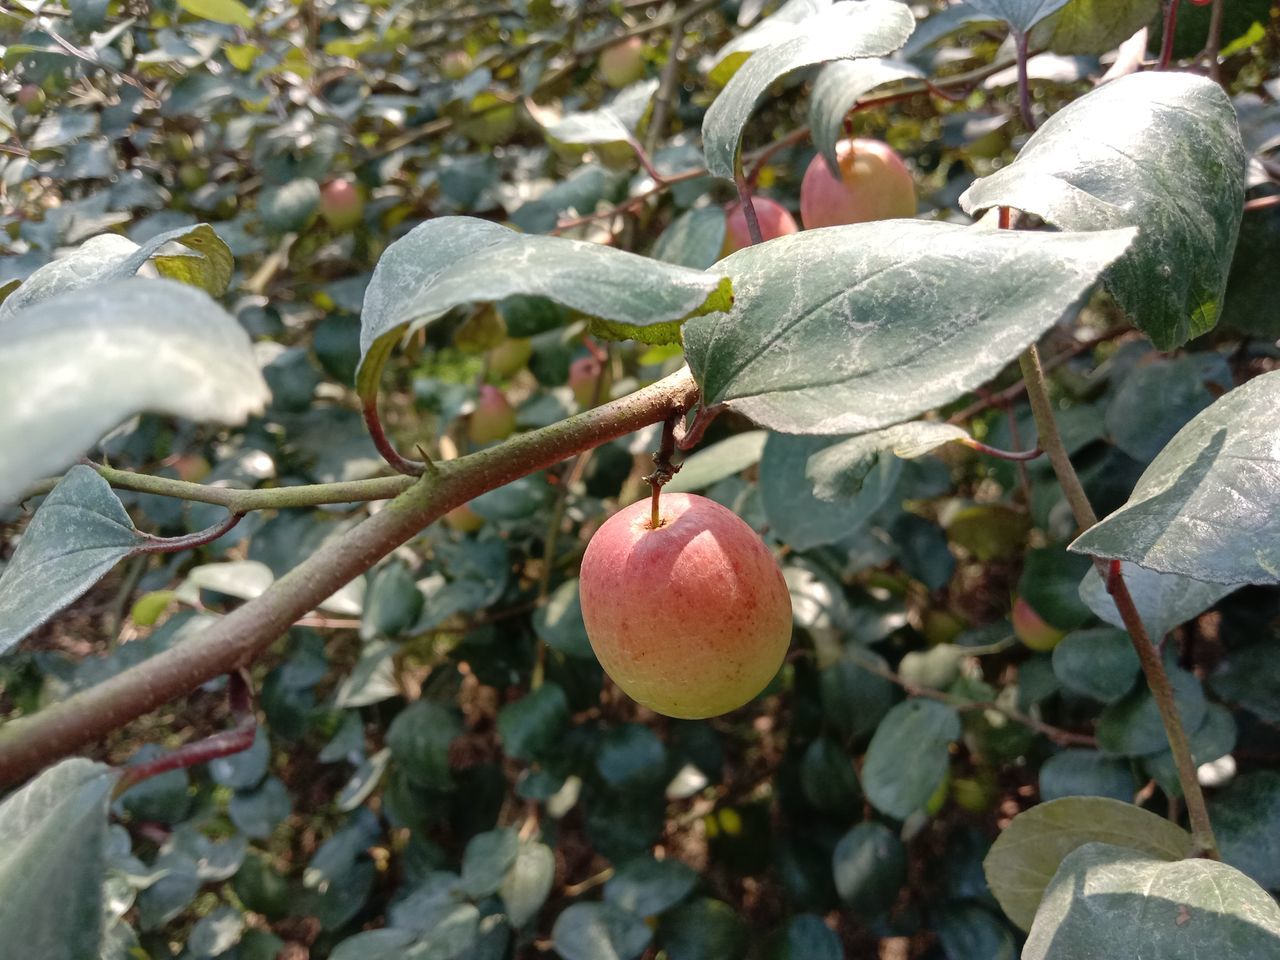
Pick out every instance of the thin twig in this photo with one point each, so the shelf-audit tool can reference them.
(1024, 83)
(153, 544)
(394, 458)
(1166, 39)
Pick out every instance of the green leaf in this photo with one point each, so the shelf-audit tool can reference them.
(1250, 677)
(854, 699)
(1086, 773)
(1093, 26)
(718, 461)
(838, 472)
(1160, 151)
(558, 623)
(533, 725)
(1027, 854)
(647, 887)
(873, 28)
(1164, 600)
(1050, 583)
(79, 533)
(694, 239)
(1104, 895)
(449, 262)
(785, 23)
(1211, 740)
(290, 206)
(631, 755)
(1205, 508)
(796, 516)
(1246, 821)
(1099, 663)
(870, 867)
(54, 833)
(1131, 727)
(806, 937)
(1157, 399)
(420, 737)
(599, 931)
(893, 318)
(827, 778)
(231, 12)
(528, 883)
(77, 365)
(703, 929)
(615, 123)
(110, 257)
(1022, 15)
(908, 756)
(837, 90)
(968, 931)
(486, 860)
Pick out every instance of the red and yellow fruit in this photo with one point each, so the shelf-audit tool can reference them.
(623, 63)
(874, 184)
(341, 204)
(775, 221)
(691, 619)
(1032, 629)
(493, 418)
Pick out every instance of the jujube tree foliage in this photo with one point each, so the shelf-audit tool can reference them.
(392, 393)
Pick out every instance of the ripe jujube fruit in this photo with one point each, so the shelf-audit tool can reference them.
(341, 204)
(775, 221)
(692, 618)
(493, 418)
(874, 184)
(622, 63)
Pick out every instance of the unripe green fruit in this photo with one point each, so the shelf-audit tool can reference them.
(483, 330)
(623, 63)
(192, 176)
(493, 418)
(31, 98)
(181, 146)
(464, 519)
(775, 221)
(874, 184)
(510, 357)
(341, 205)
(691, 619)
(1032, 629)
(455, 64)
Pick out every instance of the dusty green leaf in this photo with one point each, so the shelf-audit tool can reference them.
(1160, 151)
(837, 90)
(1164, 600)
(893, 319)
(1103, 895)
(53, 833)
(919, 729)
(1206, 506)
(1022, 15)
(872, 28)
(453, 261)
(838, 472)
(599, 931)
(79, 533)
(1027, 854)
(77, 365)
(1093, 26)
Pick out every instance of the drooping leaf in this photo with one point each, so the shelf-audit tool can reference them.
(1132, 726)
(451, 261)
(838, 472)
(615, 123)
(1022, 15)
(1246, 822)
(893, 318)
(922, 730)
(694, 239)
(1157, 150)
(872, 28)
(110, 256)
(840, 85)
(77, 365)
(79, 533)
(783, 24)
(1092, 26)
(1206, 506)
(1103, 895)
(1099, 663)
(53, 833)
(1164, 600)
(795, 514)
(870, 867)
(647, 887)
(528, 883)
(1027, 854)
(1086, 773)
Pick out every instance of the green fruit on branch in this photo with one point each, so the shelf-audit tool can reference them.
(691, 619)
(493, 418)
(623, 63)
(874, 184)
(341, 204)
(775, 221)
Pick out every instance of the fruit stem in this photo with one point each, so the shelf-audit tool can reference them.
(663, 468)
(1166, 41)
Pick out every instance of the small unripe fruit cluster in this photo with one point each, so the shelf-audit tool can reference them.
(692, 618)
(874, 184)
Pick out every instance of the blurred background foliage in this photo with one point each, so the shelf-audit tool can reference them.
(441, 770)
